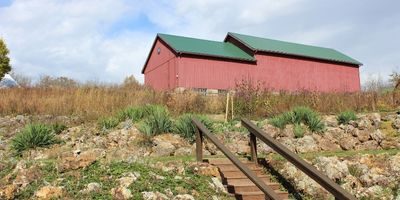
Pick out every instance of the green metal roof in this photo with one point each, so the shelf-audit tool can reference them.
(281, 47)
(205, 47)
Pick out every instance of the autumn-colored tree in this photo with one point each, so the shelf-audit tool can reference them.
(5, 66)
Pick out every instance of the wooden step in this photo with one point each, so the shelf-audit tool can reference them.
(235, 181)
(259, 195)
(249, 187)
(228, 174)
(232, 167)
(224, 161)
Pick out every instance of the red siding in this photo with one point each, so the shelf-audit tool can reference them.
(276, 72)
(160, 71)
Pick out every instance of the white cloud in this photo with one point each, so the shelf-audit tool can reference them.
(72, 37)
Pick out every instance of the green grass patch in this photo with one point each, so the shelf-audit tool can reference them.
(33, 136)
(108, 122)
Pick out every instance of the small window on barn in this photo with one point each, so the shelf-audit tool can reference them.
(222, 91)
(200, 90)
(158, 50)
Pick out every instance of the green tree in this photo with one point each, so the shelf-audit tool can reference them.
(5, 66)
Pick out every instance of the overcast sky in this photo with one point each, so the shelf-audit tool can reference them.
(108, 40)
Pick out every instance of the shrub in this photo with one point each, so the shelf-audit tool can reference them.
(108, 122)
(346, 116)
(157, 122)
(298, 130)
(58, 128)
(185, 128)
(32, 136)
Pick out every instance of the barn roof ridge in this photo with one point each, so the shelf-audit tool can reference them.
(195, 46)
(255, 43)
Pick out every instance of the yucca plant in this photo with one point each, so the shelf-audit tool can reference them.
(133, 113)
(298, 130)
(157, 122)
(346, 116)
(185, 127)
(32, 136)
(315, 124)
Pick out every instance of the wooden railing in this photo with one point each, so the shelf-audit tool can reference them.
(203, 131)
(311, 171)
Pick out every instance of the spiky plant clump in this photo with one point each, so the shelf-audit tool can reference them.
(316, 125)
(33, 136)
(298, 130)
(133, 113)
(157, 122)
(108, 122)
(58, 128)
(346, 116)
(185, 127)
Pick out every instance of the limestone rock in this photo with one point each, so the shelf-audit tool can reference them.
(127, 180)
(8, 192)
(183, 197)
(332, 167)
(330, 120)
(368, 145)
(184, 151)
(83, 160)
(363, 135)
(325, 144)
(306, 144)
(348, 143)
(377, 135)
(219, 187)
(50, 192)
(121, 193)
(154, 196)
(206, 169)
(91, 187)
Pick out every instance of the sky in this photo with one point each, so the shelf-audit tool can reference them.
(108, 40)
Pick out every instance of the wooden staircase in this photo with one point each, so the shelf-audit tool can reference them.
(239, 185)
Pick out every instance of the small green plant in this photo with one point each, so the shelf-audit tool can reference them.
(346, 116)
(355, 171)
(133, 113)
(157, 122)
(299, 115)
(108, 122)
(315, 124)
(58, 128)
(278, 121)
(32, 136)
(298, 130)
(185, 127)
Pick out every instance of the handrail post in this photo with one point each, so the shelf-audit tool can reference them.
(253, 148)
(199, 145)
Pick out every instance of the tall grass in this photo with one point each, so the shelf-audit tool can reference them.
(94, 101)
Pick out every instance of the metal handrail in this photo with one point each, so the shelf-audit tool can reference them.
(293, 158)
(203, 131)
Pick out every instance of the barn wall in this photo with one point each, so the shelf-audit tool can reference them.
(275, 72)
(160, 71)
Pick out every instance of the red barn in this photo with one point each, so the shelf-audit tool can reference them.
(177, 62)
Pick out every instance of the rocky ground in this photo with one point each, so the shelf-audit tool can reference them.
(121, 163)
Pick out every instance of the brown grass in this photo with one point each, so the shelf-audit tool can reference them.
(91, 102)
